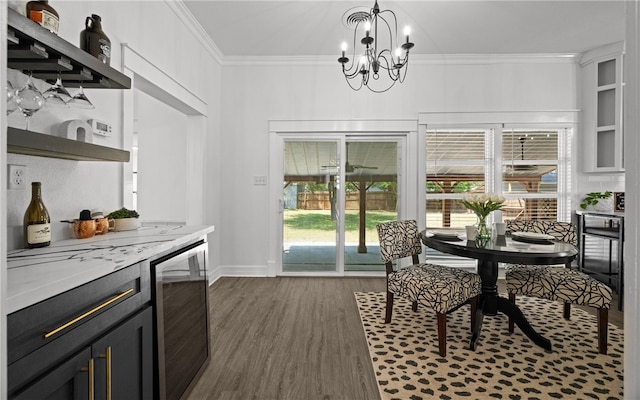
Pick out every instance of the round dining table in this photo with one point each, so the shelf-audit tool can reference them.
(506, 250)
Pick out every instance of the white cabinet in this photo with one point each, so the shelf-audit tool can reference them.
(602, 136)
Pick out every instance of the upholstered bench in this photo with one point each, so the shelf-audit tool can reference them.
(558, 283)
(440, 288)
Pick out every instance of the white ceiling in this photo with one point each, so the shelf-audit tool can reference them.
(315, 28)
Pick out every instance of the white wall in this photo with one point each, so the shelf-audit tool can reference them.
(70, 186)
(162, 160)
(255, 94)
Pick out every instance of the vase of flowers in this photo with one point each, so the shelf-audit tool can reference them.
(482, 205)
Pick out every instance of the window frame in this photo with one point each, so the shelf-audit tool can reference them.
(565, 122)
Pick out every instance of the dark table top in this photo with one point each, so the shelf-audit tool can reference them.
(504, 249)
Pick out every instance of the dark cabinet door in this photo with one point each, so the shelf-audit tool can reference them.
(119, 365)
(67, 381)
(124, 360)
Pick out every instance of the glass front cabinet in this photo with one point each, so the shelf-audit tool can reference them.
(603, 144)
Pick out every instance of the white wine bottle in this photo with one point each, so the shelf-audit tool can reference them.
(37, 224)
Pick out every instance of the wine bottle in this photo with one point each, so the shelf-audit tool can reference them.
(37, 224)
(41, 12)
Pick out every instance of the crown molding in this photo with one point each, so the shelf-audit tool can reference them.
(610, 50)
(542, 58)
(418, 59)
(186, 17)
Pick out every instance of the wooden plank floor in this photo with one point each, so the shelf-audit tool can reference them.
(291, 338)
(288, 338)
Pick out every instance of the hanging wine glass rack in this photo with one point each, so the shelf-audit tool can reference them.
(32, 48)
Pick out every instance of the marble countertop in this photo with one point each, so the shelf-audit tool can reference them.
(34, 275)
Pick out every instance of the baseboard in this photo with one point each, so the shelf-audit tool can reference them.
(244, 270)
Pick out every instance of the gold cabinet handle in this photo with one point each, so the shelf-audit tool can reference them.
(90, 370)
(107, 357)
(85, 315)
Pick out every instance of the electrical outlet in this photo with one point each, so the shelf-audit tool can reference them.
(259, 180)
(17, 177)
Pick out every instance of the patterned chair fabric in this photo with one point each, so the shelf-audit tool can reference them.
(562, 231)
(558, 283)
(398, 239)
(438, 287)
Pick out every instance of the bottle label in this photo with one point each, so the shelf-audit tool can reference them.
(46, 19)
(105, 51)
(38, 233)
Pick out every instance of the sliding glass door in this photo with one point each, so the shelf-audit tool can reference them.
(332, 203)
(371, 197)
(310, 207)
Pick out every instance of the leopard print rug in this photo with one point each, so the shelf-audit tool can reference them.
(405, 356)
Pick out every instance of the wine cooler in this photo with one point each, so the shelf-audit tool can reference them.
(181, 303)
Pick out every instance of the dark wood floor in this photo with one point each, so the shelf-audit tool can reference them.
(291, 338)
(288, 338)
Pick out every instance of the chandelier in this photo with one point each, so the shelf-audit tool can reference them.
(382, 62)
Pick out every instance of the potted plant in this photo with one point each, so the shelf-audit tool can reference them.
(593, 198)
(123, 220)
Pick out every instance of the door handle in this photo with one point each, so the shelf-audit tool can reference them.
(107, 357)
(87, 314)
(90, 372)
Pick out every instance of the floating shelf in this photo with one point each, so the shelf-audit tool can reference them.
(33, 49)
(30, 143)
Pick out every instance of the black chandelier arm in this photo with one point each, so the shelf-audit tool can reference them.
(402, 73)
(354, 87)
(397, 73)
(352, 74)
(389, 28)
(384, 64)
(354, 62)
(393, 82)
(391, 62)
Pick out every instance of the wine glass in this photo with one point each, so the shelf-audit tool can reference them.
(57, 95)
(29, 99)
(11, 101)
(80, 100)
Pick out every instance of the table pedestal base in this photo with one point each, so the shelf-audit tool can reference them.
(489, 303)
(511, 310)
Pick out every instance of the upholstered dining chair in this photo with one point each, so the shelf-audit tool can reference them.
(558, 283)
(440, 288)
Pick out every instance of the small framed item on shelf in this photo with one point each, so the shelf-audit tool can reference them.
(618, 202)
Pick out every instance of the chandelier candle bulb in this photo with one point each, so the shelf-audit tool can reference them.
(399, 54)
(407, 32)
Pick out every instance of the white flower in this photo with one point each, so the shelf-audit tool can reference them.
(483, 204)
